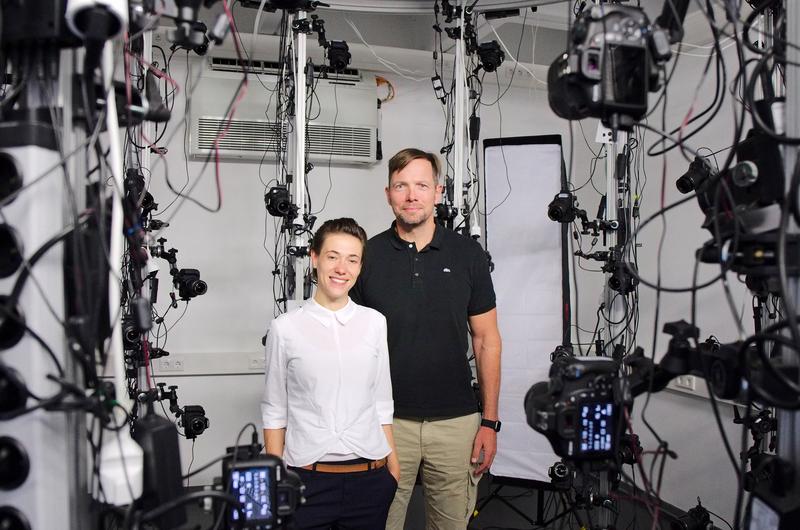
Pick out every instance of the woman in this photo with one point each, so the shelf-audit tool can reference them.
(327, 406)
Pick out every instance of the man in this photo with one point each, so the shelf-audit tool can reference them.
(434, 288)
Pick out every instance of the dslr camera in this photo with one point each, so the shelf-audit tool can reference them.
(268, 492)
(189, 283)
(194, 421)
(613, 62)
(563, 208)
(580, 409)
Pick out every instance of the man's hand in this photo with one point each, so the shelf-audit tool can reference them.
(485, 440)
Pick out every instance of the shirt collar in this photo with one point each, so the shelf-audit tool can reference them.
(400, 243)
(325, 316)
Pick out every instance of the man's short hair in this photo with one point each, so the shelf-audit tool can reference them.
(405, 156)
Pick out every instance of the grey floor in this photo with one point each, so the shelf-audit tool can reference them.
(497, 515)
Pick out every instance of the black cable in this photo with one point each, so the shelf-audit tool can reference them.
(204, 467)
(188, 498)
(788, 301)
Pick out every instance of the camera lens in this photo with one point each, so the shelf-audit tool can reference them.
(14, 463)
(199, 287)
(10, 176)
(282, 207)
(197, 425)
(685, 184)
(130, 334)
(10, 251)
(561, 210)
(13, 394)
(12, 325)
(12, 519)
(555, 212)
(559, 470)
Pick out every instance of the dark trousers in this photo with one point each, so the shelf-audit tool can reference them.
(345, 501)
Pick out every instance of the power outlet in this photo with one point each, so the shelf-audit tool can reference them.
(603, 134)
(686, 382)
(256, 363)
(172, 363)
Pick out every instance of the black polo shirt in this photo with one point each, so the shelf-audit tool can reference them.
(426, 296)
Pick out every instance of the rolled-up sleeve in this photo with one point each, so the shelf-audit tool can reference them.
(274, 402)
(383, 389)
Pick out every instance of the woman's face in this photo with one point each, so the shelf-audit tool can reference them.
(338, 265)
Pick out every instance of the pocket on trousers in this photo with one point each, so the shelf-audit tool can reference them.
(394, 480)
(472, 492)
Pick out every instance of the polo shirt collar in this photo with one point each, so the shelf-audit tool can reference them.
(325, 316)
(400, 244)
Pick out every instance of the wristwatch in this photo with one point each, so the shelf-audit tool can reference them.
(492, 424)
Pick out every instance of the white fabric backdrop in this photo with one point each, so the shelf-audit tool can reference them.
(526, 248)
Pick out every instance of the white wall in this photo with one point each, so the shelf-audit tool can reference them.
(221, 331)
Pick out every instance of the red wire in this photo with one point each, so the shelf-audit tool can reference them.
(146, 350)
(647, 488)
(240, 93)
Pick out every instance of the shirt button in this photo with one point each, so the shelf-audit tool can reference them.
(416, 274)
(411, 245)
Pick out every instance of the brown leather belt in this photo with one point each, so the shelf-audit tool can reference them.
(332, 467)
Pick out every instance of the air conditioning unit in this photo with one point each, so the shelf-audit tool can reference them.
(343, 112)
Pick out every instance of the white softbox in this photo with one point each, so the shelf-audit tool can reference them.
(522, 175)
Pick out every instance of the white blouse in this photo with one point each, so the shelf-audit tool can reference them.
(327, 382)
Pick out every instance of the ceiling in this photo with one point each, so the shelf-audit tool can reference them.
(538, 32)
(408, 24)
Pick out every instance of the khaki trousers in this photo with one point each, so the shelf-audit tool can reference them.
(444, 448)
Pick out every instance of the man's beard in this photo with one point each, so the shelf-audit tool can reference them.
(412, 221)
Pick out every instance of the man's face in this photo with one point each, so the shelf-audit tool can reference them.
(413, 192)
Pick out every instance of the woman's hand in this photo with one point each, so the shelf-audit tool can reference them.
(393, 464)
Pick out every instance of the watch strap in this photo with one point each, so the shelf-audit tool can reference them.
(492, 424)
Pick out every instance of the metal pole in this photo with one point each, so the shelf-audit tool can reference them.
(147, 127)
(301, 54)
(299, 239)
(458, 111)
(116, 353)
(615, 305)
(789, 421)
(76, 423)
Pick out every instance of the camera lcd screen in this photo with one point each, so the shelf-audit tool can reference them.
(253, 487)
(596, 428)
(626, 75)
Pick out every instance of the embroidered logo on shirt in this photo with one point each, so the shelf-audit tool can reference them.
(445, 270)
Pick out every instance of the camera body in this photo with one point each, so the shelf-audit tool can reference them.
(700, 170)
(189, 283)
(491, 56)
(759, 156)
(268, 492)
(611, 66)
(563, 208)
(194, 421)
(580, 409)
(621, 279)
(338, 55)
(279, 202)
(131, 333)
